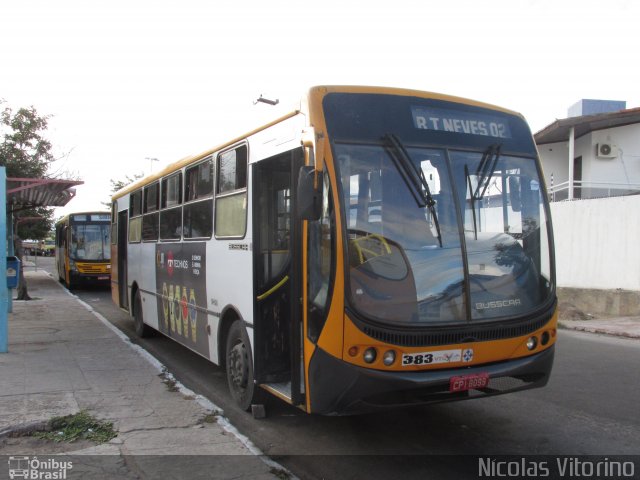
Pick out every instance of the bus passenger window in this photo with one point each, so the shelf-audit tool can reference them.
(135, 205)
(150, 227)
(231, 193)
(232, 170)
(199, 181)
(135, 219)
(171, 224)
(197, 220)
(171, 213)
(172, 191)
(114, 223)
(151, 198)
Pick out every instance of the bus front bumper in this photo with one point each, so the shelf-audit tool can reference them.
(90, 278)
(339, 388)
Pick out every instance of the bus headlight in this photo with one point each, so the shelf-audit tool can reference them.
(544, 339)
(72, 266)
(532, 343)
(369, 355)
(389, 357)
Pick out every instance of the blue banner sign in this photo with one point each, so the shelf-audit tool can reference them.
(466, 123)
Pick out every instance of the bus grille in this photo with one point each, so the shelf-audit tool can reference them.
(454, 335)
(95, 268)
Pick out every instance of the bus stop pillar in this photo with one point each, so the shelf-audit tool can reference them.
(5, 295)
(572, 142)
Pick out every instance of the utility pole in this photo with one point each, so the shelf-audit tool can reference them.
(151, 160)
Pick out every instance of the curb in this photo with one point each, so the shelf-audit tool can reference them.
(566, 325)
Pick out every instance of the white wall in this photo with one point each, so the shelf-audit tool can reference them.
(625, 168)
(598, 243)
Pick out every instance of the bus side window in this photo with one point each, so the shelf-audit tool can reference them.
(231, 193)
(114, 222)
(197, 219)
(171, 211)
(199, 181)
(135, 217)
(150, 210)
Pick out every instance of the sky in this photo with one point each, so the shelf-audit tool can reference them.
(126, 81)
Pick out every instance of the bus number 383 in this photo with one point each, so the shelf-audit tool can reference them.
(418, 359)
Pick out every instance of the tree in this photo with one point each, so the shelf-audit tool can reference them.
(120, 184)
(26, 153)
(28, 227)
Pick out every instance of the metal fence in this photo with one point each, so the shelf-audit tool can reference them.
(583, 190)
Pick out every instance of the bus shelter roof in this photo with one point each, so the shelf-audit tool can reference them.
(40, 192)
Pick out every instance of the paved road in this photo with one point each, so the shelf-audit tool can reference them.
(590, 407)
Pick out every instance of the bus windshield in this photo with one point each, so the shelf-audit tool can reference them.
(90, 241)
(406, 259)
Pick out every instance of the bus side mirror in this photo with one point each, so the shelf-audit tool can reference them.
(514, 194)
(309, 198)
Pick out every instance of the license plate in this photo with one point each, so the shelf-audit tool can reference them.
(463, 383)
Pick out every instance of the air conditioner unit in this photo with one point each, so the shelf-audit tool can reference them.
(606, 150)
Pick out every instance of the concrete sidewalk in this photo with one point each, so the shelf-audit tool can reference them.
(628, 327)
(64, 358)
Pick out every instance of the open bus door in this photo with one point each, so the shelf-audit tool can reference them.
(277, 248)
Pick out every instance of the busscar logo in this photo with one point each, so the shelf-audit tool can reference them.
(513, 302)
(38, 469)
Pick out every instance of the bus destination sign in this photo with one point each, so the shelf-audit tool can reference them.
(466, 123)
(91, 217)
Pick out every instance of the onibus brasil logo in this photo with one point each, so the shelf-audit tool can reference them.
(36, 469)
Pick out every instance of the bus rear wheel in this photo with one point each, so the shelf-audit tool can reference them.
(239, 366)
(142, 330)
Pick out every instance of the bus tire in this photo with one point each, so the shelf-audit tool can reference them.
(142, 330)
(239, 366)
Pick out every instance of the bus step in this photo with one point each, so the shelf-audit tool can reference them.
(282, 390)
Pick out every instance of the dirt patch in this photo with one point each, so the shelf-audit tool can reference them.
(568, 311)
(37, 446)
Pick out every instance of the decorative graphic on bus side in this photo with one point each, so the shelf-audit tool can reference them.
(181, 277)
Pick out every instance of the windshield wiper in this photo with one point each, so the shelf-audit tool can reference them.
(413, 177)
(485, 170)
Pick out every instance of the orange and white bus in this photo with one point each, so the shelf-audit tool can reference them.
(82, 248)
(374, 248)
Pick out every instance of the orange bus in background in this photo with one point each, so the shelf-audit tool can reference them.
(82, 248)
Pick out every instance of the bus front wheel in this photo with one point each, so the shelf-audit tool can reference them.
(142, 330)
(239, 365)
